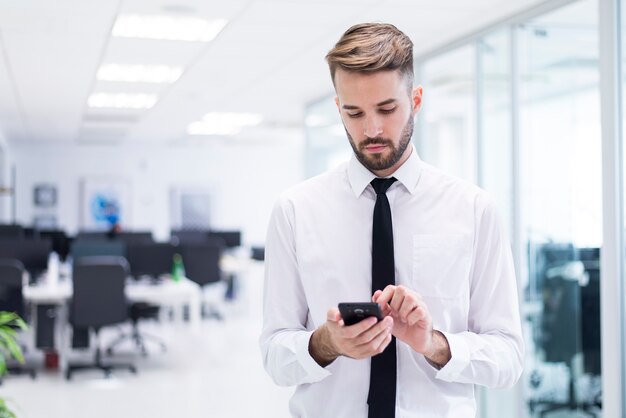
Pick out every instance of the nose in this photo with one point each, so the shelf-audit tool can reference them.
(373, 127)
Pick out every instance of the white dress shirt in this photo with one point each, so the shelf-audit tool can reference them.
(450, 247)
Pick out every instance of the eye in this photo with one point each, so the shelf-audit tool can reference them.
(387, 111)
(355, 115)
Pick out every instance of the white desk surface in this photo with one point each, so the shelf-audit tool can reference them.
(164, 293)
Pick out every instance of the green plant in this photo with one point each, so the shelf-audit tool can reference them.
(9, 348)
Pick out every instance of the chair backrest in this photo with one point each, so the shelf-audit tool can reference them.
(32, 253)
(202, 262)
(11, 231)
(135, 237)
(84, 248)
(231, 239)
(150, 259)
(11, 274)
(99, 297)
(91, 236)
(188, 236)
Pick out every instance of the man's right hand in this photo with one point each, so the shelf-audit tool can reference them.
(361, 340)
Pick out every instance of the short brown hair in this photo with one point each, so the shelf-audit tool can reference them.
(371, 47)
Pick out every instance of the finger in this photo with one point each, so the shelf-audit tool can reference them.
(383, 345)
(419, 314)
(386, 295)
(397, 299)
(333, 315)
(352, 331)
(385, 309)
(376, 295)
(371, 333)
(372, 346)
(409, 304)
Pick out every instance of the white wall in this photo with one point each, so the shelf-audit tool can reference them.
(245, 178)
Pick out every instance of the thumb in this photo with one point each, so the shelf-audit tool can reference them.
(333, 315)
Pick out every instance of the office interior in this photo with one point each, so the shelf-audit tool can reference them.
(181, 122)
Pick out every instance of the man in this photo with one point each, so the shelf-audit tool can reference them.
(388, 228)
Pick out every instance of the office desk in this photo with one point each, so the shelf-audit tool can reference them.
(174, 295)
(166, 293)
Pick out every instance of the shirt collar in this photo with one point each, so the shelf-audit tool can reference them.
(408, 174)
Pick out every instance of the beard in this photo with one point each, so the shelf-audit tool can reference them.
(378, 162)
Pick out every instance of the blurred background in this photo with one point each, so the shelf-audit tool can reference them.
(147, 141)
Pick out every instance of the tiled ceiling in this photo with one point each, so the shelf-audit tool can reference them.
(269, 59)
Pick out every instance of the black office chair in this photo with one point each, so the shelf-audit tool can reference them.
(98, 300)
(12, 300)
(152, 260)
(11, 231)
(202, 266)
(189, 236)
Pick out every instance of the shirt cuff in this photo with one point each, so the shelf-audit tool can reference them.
(459, 360)
(314, 371)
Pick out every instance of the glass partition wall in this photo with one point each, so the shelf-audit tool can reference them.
(516, 109)
(561, 201)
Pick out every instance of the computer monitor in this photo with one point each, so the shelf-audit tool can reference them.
(231, 238)
(31, 233)
(82, 248)
(32, 253)
(11, 231)
(188, 236)
(135, 237)
(91, 236)
(60, 241)
(150, 259)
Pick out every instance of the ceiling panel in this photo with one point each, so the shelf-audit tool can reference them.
(268, 59)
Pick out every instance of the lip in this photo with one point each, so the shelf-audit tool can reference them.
(375, 149)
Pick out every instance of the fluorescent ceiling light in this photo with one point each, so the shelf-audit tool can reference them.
(122, 100)
(139, 73)
(216, 123)
(174, 28)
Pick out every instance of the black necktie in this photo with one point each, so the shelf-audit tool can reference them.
(382, 393)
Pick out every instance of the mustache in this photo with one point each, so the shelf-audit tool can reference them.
(375, 141)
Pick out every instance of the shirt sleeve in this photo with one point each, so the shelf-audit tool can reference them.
(285, 337)
(491, 352)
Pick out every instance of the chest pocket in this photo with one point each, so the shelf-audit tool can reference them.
(441, 264)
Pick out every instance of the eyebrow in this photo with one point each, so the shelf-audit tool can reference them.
(383, 103)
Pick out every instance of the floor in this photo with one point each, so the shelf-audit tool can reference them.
(214, 373)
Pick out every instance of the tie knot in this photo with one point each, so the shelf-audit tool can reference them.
(381, 185)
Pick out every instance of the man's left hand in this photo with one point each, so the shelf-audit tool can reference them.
(412, 323)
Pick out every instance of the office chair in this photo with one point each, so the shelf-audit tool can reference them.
(98, 300)
(32, 253)
(151, 260)
(202, 266)
(87, 248)
(12, 300)
(232, 239)
(188, 236)
(561, 339)
(11, 231)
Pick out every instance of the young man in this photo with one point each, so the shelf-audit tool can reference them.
(389, 228)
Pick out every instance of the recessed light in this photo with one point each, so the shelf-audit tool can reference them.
(164, 27)
(139, 73)
(122, 100)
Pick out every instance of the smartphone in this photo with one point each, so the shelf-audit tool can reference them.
(358, 311)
